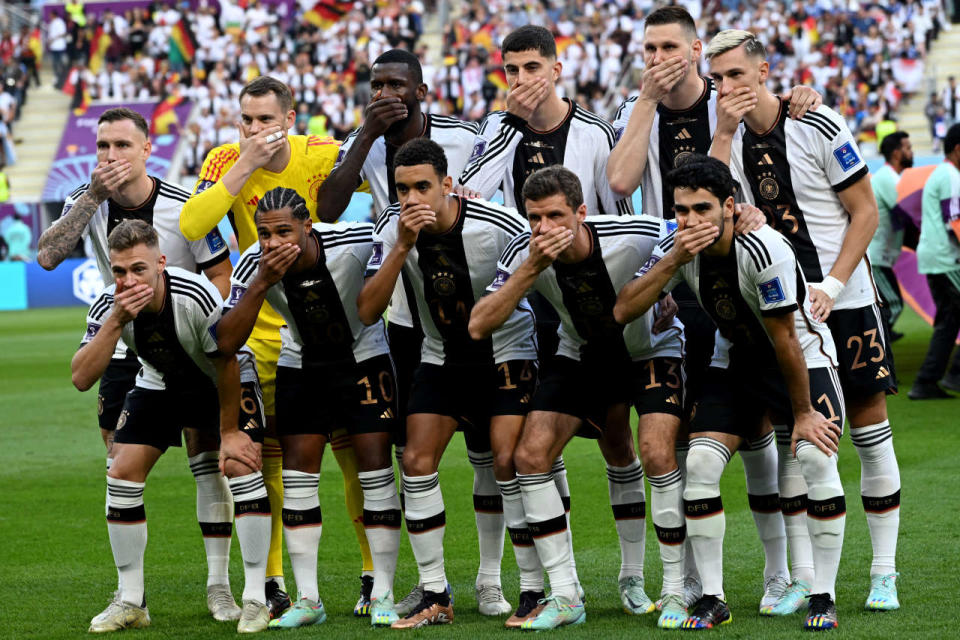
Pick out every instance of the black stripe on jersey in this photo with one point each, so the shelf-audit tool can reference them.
(623, 107)
(821, 123)
(247, 265)
(603, 125)
(494, 220)
(761, 250)
(389, 212)
(667, 243)
(190, 293)
(173, 191)
(447, 122)
(346, 241)
(195, 291)
(101, 306)
(514, 247)
(627, 224)
(623, 207)
(363, 226)
(486, 119)
(849, 180)
(752, 251)
(628, 232)
(500, 142)
(79, 191)
(341, 235)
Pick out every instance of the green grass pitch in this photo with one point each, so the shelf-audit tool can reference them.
(58, 571)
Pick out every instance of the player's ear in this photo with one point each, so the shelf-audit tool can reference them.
(729, 208)
(161, 263)
(308, 225)
(447, 185)
(764, 71)
(291, 119)
(422, 90)
(147, 149)
(696, 47)
(581, 212)
(557, 68)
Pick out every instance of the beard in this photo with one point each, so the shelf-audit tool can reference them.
(906, 163)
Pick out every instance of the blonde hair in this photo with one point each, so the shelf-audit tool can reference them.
(730, 39)
(131, 233)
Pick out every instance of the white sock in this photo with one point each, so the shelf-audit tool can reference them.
(826, 514)
(703, 507)
(214, 514)
(426, 522)
(666, 510)
(880, 492)
(302, 528)
(251, 510)
(528, 563)
(548, 526)
(760, 467)
(625, 485)
(559, 472)
(793, 506)
(381, 522)
(689, 560)
(127, 527)
(488, 507)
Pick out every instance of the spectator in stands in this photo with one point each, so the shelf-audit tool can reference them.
(951, 101)
(57, 45)
(18, 237)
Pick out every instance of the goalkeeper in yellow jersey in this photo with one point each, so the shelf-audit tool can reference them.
(233, 179)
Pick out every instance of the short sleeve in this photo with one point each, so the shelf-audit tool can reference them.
(775, 274)
(344, 148)
(510, 260)
(209, 250)
(207, 318)
(668, 229)
(839, 156)
(98, 313)
(68, 204)
(384, 237)
(242, 275)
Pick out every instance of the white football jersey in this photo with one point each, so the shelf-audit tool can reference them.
(507, 151)
(456, 137)
(674, 136)
(793, 173)
(760, 277)
(172, 345)
(584, 293)
(319, 305)
(449, 273)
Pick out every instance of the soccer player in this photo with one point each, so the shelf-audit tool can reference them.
(537, 130)
(445, 245)
(121, 189)
(755, 292)
(808, 177)
(166, 316)
(670, 119)
(232, 180)
(885, 246)
(392, 118)
(311, 274)
(938, 257)
(579, 264)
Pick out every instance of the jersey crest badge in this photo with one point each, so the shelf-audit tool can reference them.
(500, 279)
(478, 148)
(846, 156)
(236, 292)
(376, 258)
(771, 291)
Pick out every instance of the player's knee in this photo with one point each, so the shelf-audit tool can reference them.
(198, 441)
(658, 459)
(417, 462)
(503, 464)
(527, 459)
(704, 465)
(816, 466)
(235, 469)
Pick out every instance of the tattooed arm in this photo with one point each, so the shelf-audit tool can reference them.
(59, 239)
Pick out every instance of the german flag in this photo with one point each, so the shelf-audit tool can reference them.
(35, 44)
(327, 13)
(98, 48)
(164, 115)
(565, 41)
(499, 78)
(183, 44)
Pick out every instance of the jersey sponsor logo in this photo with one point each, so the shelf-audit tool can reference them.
(236, 292)
(846, 156)
(478, 148)
(771, 291)
(92, 330)
(253, 201)
(648, 265)
(500, 279)
(87, 281)
(376, 258)
(204, 185)
(215, 241)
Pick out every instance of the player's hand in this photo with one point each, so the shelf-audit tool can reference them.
(821, 304)
(412, 220)
(813, 427)
(732, 107)
(260, 148)
(524, 98)
(688, 242)
(660, 79)
(381, 113)
(236, 445)
(463, 191)
(747, 218)
(802, 99)
(276, 261)
(107, 177)
(546, 248)
(665, 312)
(127, 303)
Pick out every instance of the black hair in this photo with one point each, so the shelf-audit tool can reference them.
(703, 172)
(402, 56)
(530, 38)
(952, 139)
(422, 151)
(672, 15)
(281, 198)
(553, 180)
(891, 143)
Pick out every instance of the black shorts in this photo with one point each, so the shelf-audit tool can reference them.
(658, 386)
(735, 402)
(865, 365)
(116, 381)
(585, 391)
(699, 333)
(472, 394)
(157, 418)
(251, 418)
(547, 325)
(361, 398)
(405, 343)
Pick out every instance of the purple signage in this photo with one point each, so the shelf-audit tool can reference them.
(77, 154)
